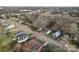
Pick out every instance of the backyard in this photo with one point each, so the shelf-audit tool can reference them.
(4, 41)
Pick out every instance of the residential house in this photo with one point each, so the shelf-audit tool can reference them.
(4, 22)
(21, 37)
(56, 34)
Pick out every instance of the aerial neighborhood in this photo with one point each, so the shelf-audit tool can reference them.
(39, 29)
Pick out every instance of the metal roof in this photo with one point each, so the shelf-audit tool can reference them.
(20, 33)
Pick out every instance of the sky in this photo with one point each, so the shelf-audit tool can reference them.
(39, 2)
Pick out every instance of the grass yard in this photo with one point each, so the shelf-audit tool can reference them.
(40, 42)
(4, 41)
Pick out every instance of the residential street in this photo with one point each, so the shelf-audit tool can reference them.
(41, 36)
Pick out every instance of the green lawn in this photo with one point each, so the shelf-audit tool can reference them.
(40, 42)
(4, 41)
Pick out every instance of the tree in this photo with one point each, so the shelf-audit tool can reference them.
(7, 33)
(1, 17)
(76, 42)
(7, 17)
(26, 20)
